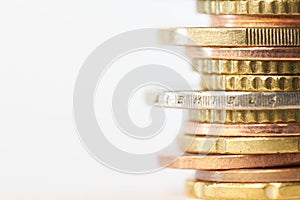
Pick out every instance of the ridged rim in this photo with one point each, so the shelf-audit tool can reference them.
(246, 7)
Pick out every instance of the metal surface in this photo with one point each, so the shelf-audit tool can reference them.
(245, 116)
(253, 83)
(251, 175)
(245, 191)
(239, 145)
(239, 67)
(243, 130)
(249, 7)
(254, 21)
(251, 53)
(225, 162)
(233, 37)
(229, 100)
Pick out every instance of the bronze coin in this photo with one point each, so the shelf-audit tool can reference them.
(254, 21)
(225, 162)
(243, 130)
(251, 175)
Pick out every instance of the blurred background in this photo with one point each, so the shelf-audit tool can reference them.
(43, 44)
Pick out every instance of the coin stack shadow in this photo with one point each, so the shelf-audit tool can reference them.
(243, 133)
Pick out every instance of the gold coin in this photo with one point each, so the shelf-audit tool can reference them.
(242, 191)
(245, 53)
(233, 37)
(239, 145)
(244, 116)
(243, 67)
(251, 83)
(249, 7)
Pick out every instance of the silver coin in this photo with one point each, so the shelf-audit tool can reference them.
(219, 100)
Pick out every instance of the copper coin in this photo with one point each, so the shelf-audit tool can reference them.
(243, 130)
(254, 21)
(251, 175)
(251, 53)
(225, 162)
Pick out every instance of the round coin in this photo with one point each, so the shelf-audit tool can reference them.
(233, 37)
(254, 21)
(251, 83)
(246, 7)
(246, 67)
(251, 175)
(243, 130)
(239, 145)
(251, 53)
(228, 100)
(245, 116)
(226, 162)
(244, 191)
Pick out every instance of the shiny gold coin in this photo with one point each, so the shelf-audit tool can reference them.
(243, 191)
(245, 116)
(244, 67)
(278, 175)
(239, 145)
(249, 7)
(250, 53)
(251, 83)
(233, 37)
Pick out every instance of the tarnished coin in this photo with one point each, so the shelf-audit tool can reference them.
(254, 21)
(243, 191)
(245, 116)
(243, 130)
(253, 83)
(239, 145)
(246, 67)
(251, 53)
(273, 175)
(233, 37)
(249, 7)
(219, 100)
(226, 162)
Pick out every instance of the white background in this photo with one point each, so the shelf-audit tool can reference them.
(43, 45)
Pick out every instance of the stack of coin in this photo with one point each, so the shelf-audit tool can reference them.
(243, 133)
